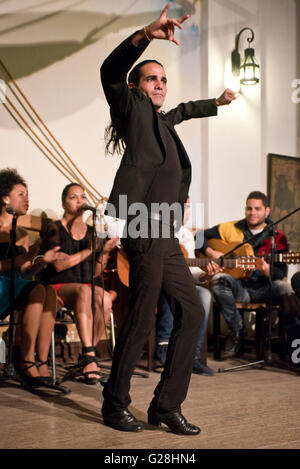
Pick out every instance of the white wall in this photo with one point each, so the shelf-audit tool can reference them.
(279, 112)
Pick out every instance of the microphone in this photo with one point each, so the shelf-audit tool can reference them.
(85, 207)
(10, 209)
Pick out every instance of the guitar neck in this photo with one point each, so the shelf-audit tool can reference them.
(287, 257)
(203, 261)
(244, 262)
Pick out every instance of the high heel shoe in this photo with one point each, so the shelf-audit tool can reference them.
(85, 360)
(176, 422)
(44, 380)
(32, 381)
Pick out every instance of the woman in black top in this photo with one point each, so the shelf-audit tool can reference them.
(71, 277)
(36, 302)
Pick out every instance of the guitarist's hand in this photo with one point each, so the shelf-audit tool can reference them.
(263, 267)
(213, 254)
(213, 268)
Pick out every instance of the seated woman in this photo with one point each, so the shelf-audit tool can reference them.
(36, 302)
(71, 277)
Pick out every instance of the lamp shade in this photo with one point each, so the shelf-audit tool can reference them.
(249, 70)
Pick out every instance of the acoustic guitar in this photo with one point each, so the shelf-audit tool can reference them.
(239, 266)
(246, 261)
(236, 265)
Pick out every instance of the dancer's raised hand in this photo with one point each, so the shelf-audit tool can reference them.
(163, 27)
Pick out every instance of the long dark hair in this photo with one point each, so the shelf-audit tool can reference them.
(113, 133)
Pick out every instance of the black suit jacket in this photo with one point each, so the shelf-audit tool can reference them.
(141, 127)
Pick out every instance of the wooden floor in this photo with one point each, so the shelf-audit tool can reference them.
(249, 408)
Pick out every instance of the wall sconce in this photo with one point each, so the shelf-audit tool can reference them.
(249, 70)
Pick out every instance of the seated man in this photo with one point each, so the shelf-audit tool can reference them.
(164, 322)
(228, 290)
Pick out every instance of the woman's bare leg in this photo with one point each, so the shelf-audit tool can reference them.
(46, 328)
(103, 307)
(30, 324)
(78, 297)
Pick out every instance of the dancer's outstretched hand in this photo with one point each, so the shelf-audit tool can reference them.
(164, 28)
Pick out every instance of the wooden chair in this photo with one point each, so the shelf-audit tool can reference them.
(260, 310)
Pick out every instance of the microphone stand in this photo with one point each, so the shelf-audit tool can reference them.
(268, 359)
(272, 233)
(10, 372)
(93, 273)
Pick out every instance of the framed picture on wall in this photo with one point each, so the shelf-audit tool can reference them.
(284, 195)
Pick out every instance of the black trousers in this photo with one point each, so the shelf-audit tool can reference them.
(156, 264)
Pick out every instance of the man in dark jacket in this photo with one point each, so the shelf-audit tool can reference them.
(155, 169)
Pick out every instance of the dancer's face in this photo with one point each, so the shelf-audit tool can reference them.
(153, 83)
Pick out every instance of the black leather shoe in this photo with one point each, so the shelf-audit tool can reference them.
(122, 420)
(174, 420)
(233, 344)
